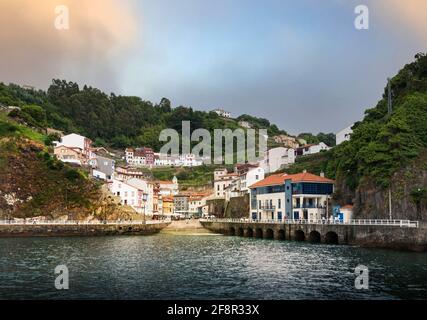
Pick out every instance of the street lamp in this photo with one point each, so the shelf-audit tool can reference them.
(144, 198)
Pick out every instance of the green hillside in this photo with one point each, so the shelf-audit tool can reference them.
(384, 148)
(33, 183)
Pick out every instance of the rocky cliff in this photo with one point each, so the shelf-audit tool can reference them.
(34, 184)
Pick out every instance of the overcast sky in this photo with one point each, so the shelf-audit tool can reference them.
(301, 64)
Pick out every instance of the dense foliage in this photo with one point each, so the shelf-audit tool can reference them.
(382, 143)
(110, 120)
(327, 138)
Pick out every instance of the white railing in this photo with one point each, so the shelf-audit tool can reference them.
(75, 222)
(355, 222)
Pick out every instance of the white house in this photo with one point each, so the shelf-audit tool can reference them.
(222, 113)
(237, 183)
(277, 158)
(346, 213)
(189, 160)
(344, 135)
(103, 168)
(147, 189)
(222, 180)
(133, 192)
(252, 176)
(244, 124)
(311, 149)
(168, 187)
(74, 140)
(183, 160)
(296, 196)
(318, 147)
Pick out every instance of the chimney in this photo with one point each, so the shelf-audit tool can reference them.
(304, 171)
(322, 174)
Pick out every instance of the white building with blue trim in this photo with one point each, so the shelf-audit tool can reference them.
(295, 196)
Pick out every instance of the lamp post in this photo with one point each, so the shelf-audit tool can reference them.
(144, 198)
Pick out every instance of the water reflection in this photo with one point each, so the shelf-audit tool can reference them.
(173, 266)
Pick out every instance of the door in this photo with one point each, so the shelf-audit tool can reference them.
(305, 212)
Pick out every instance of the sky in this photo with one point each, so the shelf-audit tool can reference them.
(301, 64)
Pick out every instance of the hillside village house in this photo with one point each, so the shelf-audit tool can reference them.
(344, 135)
(277, 158)
(222, 180)
(164, 160)
(182, 160)
(295, 196)
(103, 168)
(74, 140)
(181, 203)
(286, 141)
(311, 149)
(168, 187)
(139, 156)
(135, 193)
(222, 113)
(167, 205)
(244, 124)
(73, 148)
(192, 203)
(70, 155)
(247, 174)
(196, 203)
(127, 172)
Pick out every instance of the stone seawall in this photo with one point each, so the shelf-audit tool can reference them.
(34, 230)
(391, 237)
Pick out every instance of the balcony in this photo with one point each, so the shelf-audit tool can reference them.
(267, 208)
(306, 206)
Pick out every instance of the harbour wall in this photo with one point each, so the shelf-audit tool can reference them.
(377, 236)
(44, 230)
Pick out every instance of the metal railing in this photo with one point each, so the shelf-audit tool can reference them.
(355, 222)
(268, 208)
(76, 222)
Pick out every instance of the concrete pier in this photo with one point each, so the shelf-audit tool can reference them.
(378, 236)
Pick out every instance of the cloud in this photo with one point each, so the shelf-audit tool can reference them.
(411, 14)
(33, 51)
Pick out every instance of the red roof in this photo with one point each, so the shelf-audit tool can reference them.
(165, 182)
(278, 179)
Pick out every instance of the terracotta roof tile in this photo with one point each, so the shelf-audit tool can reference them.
(278, 179)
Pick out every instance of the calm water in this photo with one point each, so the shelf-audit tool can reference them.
(166, 266)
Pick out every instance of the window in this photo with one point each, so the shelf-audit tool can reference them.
(279, 203)
(126, 193)
(256, 177)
